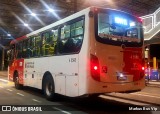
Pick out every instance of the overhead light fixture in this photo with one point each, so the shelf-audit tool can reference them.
(8, 34)
(25, 24)
(33, 14)
(50, 10)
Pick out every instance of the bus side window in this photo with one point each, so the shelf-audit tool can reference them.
(45, 44)
(24, 49)
(69, 45)
(29, 50)
(32, 46)
(38, 45)
(13, 52)
(35, 46)
(77, 34)
(65, 35)
(19, 50)
(79, 28)
(53, 41)
(71, 37)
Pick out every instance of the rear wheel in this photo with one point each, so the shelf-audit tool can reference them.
(48, 88)
(16, 82)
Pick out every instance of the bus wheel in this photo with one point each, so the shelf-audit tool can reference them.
(48, 88)
(16, 82)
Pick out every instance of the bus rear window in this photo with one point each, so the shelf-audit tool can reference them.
(119, 27)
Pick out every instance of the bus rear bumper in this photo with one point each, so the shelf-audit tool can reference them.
(128, 87)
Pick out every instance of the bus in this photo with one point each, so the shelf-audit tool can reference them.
(91, 52)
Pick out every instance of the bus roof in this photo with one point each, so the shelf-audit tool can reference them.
(17, 39)
(80, 13)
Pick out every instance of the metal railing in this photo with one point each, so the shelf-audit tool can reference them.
(150, 24)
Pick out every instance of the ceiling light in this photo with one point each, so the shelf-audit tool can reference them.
(33, 14)
(50, 10)
(25, 24)
(8, 34)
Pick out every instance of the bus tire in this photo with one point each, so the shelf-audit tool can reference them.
(48, 88)
(16, 82)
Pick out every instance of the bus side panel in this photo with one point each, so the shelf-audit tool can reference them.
(92, 86)
(11, 70)
(64, 70)
(84, 68)
(72, 75)
(20, 68)
(17, 65)
(56, 66)
(33, 72)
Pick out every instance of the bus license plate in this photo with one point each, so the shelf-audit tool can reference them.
(121, 78)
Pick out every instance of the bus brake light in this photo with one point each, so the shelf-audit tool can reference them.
(94, 67)
(142, 68)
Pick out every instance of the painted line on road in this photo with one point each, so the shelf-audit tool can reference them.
(61, 110)
(145, 95)
(123, 100)
(9, 90)
(6, 81)
(3, 80)
(36, 100)
(157, 95)
(20, 94)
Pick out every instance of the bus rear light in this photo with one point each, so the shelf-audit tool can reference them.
(140, 75)
(94, 67)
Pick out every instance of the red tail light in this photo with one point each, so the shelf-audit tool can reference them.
(94, 66)
(140, 74)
